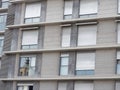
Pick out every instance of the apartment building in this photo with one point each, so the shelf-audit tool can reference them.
(59, 45)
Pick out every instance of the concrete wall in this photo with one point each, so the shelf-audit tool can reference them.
(105, 63)
(107, 33)
(50, 64)
(107, 8)
(54, 10)
(52, 36)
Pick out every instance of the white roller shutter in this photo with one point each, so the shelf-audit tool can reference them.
(66, 33)
(33, 10)
(30, 37)
(118, 33)
(87, 35)
(88, 6)
(62, 86)
(85, 61)
(83, 86)
(68, 7)
(118, 6)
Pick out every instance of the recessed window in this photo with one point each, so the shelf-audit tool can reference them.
(3, 21)
(88, 8)
(68, 7)
(33, 12)
(85, 63)
(5, 3)
(64, 62)
(87, 35)
(62, 86)
(27, 66)
(30, 39)
(66, 34)
(118, 34)
(118, 62)
(1, 44)
(25, 87)
(117, 85)
(83, 85)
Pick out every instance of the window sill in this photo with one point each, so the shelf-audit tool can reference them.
(95, 47)
(95, 77)
(61, 21)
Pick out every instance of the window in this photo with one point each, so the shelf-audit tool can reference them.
(118, 62)
(118, 36)
(85, 63)
(88, 8)
(27, 66)
(64, 64)
(30, 39)
(66, 33)
(1, 44)
(3, 21)
(83, 85)
(25, 87)
(62, 86)
(68, 5)
(117, 85)
(33, 12)
(87, 35)
(5, 3)
(118, 6)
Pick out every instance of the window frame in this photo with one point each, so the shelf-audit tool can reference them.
(27, 56)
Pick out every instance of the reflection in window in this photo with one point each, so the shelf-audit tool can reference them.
(27, 66)
(24, 87)
(1, 44)
(5, 3)
(3, 21)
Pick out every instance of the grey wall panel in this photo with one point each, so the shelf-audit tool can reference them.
(18, 11)
(41, 37)
(74, 35)
(76, 8)
(104, 85)
(36, 86)
(72, 63)
(14, 42)
(105, 63)
(48, 85)
(38, 64)
(43, 10)
(107, 33)
(50, 64)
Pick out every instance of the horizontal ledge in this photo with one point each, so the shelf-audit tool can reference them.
(3, 9)
(87, 23)
(67, 78)
(64, 49)
(78, 20)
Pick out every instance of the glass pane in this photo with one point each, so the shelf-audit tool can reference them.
(25, 47)
(28, 20)
(33, 46)
(64, 71)
(30, 87)
(20, 88)
(64, 60)
(31, 71)
(66, 17)
(84, 72)
(118, 68)
(5, 4)
(36, 19)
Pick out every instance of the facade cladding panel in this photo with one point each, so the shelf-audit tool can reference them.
(60, 44)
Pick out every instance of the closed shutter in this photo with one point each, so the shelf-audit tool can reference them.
(87, 35)
(33, 10)
(68, 7)
(118, 33)
(83, 85)
(85, 61)
(62, 86)
(30, 37)
(66, 33)
(88, 6)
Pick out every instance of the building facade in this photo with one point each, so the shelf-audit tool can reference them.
(59, 44)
